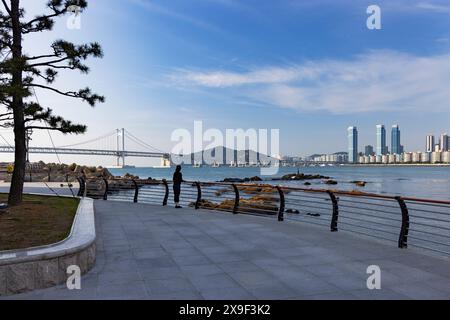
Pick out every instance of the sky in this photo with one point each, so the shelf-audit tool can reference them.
(307, 68)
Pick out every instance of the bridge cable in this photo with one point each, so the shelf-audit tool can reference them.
(54, 148)
(107, 135)
(142, 143)
(6, 140)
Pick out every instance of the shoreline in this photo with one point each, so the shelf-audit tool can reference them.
(397, 165)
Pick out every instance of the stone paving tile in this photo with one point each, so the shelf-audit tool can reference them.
(157, 287)
(238, 266)
(232, 293)
(201, 270)
(419, 290)
(216, 281)
(161, 273)
(131, 290)
(273, 291)
(191, 260)
(148, 252)
(113, 278)
(252, 278)
(180, 295)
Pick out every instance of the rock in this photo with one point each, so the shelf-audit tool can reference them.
(301, 176)
(307, 183)
(360, 183)
(233, 180)
(331, 182)
(292, 211)
(240, 180)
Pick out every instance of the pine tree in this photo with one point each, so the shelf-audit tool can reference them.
(20, 74)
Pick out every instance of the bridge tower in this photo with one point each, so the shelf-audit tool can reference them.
(120, 149)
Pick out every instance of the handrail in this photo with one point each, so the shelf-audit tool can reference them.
(324, 191)
(335, 208)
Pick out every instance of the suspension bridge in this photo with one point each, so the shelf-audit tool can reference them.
(111, 144)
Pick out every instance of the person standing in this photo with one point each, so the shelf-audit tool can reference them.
(177, 180)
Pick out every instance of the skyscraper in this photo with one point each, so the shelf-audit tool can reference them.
(381, 140)
(444, 142)
(352, 144)
(430, 143)
(368, 150)
(395, 140)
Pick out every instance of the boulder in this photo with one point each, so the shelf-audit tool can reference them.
(359, 183)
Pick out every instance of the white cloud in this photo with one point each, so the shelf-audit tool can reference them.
(376, 81)
(164, 11)
(433, 7)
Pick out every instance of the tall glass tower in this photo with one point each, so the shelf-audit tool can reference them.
(395, 140)
(381, 140)
(352, 144)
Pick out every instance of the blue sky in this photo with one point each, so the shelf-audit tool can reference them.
(308, 68)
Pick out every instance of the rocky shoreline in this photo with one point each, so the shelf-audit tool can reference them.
(53, 172)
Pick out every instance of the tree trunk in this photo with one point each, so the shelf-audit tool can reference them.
(16, 190)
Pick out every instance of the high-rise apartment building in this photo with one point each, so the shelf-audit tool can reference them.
(444, 142)
(381, 140)
(368, 150)
(352, 144)
(430, 144)
(395, 140)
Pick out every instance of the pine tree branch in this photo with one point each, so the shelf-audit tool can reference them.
(42, 128)
(41, 57)
(46, 63)
(6, 7)
(68, 93)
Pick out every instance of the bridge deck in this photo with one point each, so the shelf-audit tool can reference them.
(148, 252)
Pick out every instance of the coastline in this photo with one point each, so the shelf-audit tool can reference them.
(396, 165)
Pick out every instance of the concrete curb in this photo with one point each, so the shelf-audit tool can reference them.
(43, 267)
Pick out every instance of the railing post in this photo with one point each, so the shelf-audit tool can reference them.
(136, 191)
(49, 174)
(403, 238)
(105, 195)
(199, 195)
(335, 216)
(236, 199)
(166, 196)
(282, 204)
(80, 189)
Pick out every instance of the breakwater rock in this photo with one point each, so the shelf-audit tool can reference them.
(55, 172)
(242, 180)
(300, 176)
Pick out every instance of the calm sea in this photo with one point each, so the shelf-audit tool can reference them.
(422, 182)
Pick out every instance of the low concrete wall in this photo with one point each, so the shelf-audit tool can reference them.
(43, 267)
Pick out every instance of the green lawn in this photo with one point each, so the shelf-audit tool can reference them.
(38, 221)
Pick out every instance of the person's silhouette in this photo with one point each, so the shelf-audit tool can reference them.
(177, 180)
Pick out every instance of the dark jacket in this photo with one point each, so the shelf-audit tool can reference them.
(177, 178)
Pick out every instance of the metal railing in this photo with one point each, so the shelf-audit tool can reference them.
(406, 221)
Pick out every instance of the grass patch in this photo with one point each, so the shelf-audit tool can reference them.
(38, 221)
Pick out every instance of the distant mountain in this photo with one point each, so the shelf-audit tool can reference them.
(222, 155)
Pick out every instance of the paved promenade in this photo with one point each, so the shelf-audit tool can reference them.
(151, 252)
(43, 188)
